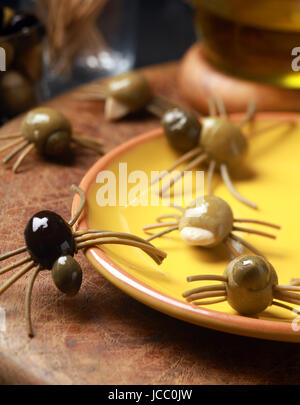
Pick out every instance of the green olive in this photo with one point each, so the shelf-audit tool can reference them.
(67, 275)
(250, 284)
(132, 89)
(222, 140)
(207, 221)
(16, 93)
(48, 129)
(182, 129)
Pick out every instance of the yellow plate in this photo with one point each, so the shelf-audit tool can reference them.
(270, 178)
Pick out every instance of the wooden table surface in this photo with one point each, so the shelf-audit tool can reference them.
(103, 336)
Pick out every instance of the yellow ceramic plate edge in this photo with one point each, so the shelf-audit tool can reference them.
(221, 321)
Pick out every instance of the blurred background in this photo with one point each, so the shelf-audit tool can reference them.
(53, 46)
(128, 34)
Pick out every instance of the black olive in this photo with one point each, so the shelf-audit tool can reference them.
(67, 275)
(20, 22)
(182, 129)
(48, 237)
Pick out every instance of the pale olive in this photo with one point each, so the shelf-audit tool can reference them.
(250, 284)
(67, 275)
(208, 219)
(223, 141)
(182, 129)
(49, 130)
(132, 89)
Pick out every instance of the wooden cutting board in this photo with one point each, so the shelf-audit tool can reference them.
(103, 336)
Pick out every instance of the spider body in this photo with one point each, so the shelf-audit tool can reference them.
(181, 128)
(223, 141)
(49, 132)
(126, 94)
(50, 244)
(47, 237)
(249, 284)
(208, 221)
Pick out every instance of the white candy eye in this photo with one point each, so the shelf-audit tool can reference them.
(197, 236)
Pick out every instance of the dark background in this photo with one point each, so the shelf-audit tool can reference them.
(164, 29)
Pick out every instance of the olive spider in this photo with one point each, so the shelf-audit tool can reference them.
(48, 131)
(249, 284)
(207, 222)
(50, 244)
(125, 94)
(215, 139)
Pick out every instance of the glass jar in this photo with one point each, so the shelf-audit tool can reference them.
(114, 53)
(21, 70)
(255, 39)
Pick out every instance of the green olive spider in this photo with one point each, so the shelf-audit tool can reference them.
(214, 140)
(125, 94)
(48, 131)
(207, 222)
(249, 285)
(50, 244)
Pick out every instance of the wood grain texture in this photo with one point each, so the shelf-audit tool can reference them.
(103, 336)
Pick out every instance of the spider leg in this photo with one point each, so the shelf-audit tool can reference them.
(215, 287)
(281, 294)
(22, 157)
(221, 106)
(14, 152)
(254, 221)
(161, 233)
(159, 225)
(246, 244)
(198, 295)
(210, 174)
(88, 143)
(11, 144)
(13, 253)
(194, 163)
(81, 204)
(250, 113)
(229, 185)
(28, 297)
(211, 107)
(153, 252)
(14, 265)
(209, 302)
(208, 294)
(16, 277)
(206, 277)
(286, 299)
(280, 304)
(10, 136)
(240, 229)
(187, 156)
(233, 250)
(89, 236)
(295, 282)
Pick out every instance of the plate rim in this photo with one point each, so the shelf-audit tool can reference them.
(201, 316)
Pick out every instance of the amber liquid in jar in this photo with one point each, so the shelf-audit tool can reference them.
(251, 39)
